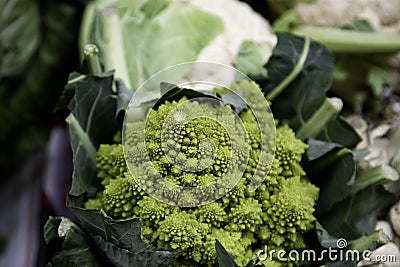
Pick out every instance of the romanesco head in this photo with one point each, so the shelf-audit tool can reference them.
(289, 213)
(197, 153)
(120, 197)
(110, 162)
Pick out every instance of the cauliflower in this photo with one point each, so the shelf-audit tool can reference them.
(384, 16)
(241, 24)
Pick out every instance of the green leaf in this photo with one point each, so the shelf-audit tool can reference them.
(127, 234)
(370, 242)
(318, 148)
(357, 215)
(374, 176)
(252, 58)
(91, 122)
(300, 72)
(51, 229)
(225, 259)
(21, 21)
(124, 258)
(286, 21)
(75, 250)
(341, 132)
(141, 38)
(333, 172)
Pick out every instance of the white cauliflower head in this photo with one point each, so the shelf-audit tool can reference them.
(383, 15)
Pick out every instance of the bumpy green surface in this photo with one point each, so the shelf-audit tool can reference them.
(277, 214)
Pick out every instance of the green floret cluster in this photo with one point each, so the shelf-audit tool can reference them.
(277, 214)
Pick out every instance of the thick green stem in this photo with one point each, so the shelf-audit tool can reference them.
(347, 41)
(314, 126)
(86, 27)
(91, 54)
(114, 50)
(293, 74)
(376, 175)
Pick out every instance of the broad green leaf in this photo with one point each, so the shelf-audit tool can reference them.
(75, 249)
(357, 215)
(340, 131)
(124, 258)
(92, 104)
(300, 72)
(370, 241)
(252, 58)
(20, 35)
(127, 234)
(317, 148)
(333, 172)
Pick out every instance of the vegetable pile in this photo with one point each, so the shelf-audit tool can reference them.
(295, 151)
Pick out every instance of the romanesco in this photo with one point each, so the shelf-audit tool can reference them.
(277, 214)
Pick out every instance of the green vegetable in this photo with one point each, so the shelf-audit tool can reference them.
(352, 39)
(36, 55)
(140, 38)
(278, 213)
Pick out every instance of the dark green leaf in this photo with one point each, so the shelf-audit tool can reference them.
(332, 173)
(370, 242)
(234, 100)
(300, 72)
(225, 259)
(341, 132)
(75, 249)
(356, 215)
(92, 122)
(124, 258)
(94, 105)
(317, 148)
(172, 92)
(51, 228)
(127, 234)
(69, 91)
(36, 55)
